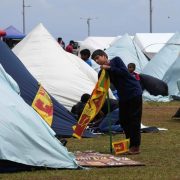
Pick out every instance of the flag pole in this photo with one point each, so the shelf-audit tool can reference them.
(109, 122)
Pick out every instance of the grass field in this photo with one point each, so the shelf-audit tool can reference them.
(160, 152)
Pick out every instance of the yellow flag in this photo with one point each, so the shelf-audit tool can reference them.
(121, 146)
(94, 104)
(43, 105)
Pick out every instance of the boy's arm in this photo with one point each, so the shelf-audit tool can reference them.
(117, 67)
(118, 71)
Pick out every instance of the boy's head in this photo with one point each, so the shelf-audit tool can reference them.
(85, 54)
(131, 67)
(99, 56)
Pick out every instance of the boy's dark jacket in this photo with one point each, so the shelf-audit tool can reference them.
(126, 84)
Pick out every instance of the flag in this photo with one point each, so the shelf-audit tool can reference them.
(94, 104)
(121, 146)
(43, 105)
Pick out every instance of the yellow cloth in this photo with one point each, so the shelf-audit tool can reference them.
(94, 104)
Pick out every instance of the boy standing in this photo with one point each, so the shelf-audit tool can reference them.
(130, 97)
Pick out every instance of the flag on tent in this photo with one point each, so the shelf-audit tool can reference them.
(94, 104)
(121, 146)
(43, 105)
(26, 141)
(62, 119)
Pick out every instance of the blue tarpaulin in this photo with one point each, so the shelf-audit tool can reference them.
(13, 33)
(25, 137)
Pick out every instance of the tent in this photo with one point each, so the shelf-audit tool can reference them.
(64, 75)
(165, 65)
(62, 119)
(92, 43)
(26, 140)
(128, 51)
(13, 36)
(172, 77)
(161, 62)
(13, 33)
(151, 43)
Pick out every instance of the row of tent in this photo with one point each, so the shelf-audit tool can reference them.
(38, 58)
(149, 43)
(26, 140)
(163, 50)
(32, 54)
(68, 86)
(163, 66)
(20, 89)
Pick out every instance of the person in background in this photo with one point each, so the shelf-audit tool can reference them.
(61, 42)
(78, 108)
(69, 47)
(85, 56)
(131, 69)
(130, 97)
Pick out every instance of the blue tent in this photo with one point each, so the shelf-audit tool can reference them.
(13, 33)
(62, 119)
(128, 51)
(26, 140)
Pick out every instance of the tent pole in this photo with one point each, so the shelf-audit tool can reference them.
(110, 128)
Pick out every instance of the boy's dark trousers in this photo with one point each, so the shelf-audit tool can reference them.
(130, 113)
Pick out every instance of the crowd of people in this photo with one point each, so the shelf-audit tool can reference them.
(70, 48)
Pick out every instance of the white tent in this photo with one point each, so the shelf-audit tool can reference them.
(64, 75)
(92, 43)
(162, 61)
(25, 137)
(128, 51)
(165, 65)
(151, 43)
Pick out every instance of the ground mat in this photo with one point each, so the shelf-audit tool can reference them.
(96, 159)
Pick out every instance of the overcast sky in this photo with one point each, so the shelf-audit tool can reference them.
(68, 18)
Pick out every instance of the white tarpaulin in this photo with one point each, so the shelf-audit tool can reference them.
(162, 61)
(152, 43)
(64, 75)
(93, 43)
(165, 65)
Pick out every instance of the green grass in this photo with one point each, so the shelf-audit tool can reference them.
(160, 152)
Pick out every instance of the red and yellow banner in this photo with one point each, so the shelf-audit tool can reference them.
(43, 105)
(94, 104)
(121, 146)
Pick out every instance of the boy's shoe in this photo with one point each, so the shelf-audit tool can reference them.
(134, 150)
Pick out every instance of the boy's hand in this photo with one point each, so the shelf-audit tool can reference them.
(105, 67)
